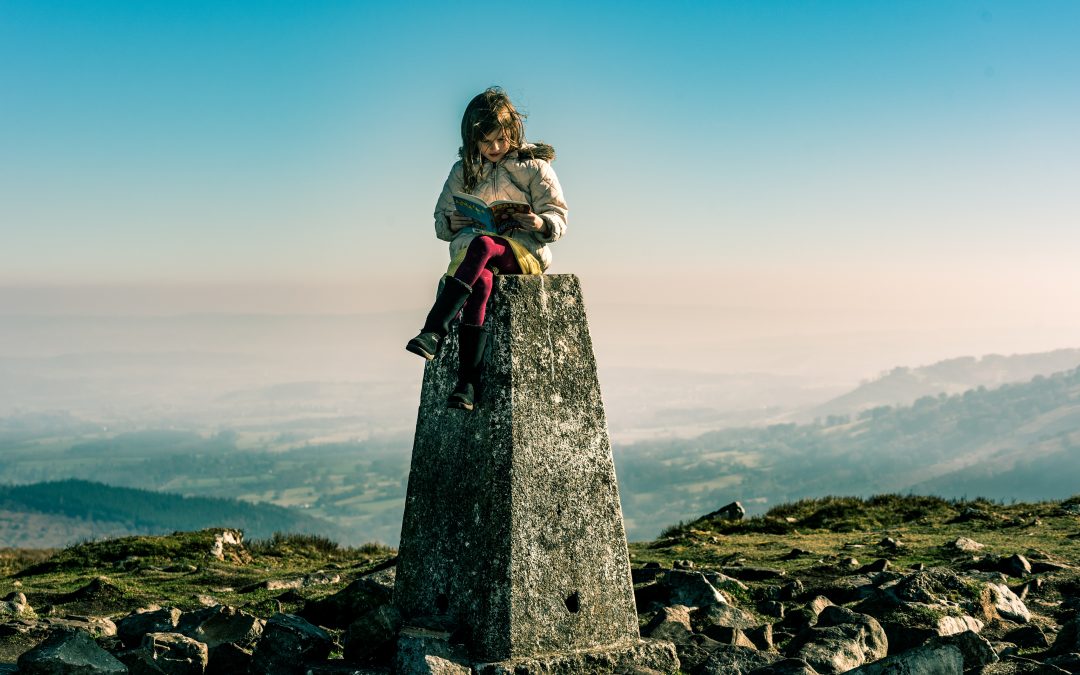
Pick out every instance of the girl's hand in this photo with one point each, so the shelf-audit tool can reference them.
(529, 221)
(458, 221)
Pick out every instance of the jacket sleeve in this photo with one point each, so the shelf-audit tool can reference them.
(455, 182)
(548, 202)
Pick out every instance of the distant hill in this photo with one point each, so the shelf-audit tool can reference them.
(1014, 442)
(60, 513)
(903, 386)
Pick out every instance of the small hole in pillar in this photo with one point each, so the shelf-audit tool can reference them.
(573, 602)
(442, 603)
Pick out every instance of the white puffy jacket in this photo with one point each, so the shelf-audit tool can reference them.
(522, 175)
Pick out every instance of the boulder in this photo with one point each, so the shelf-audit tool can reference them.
(691, 589)
(733, 511)
(671, 624)
(166, 654)
(976, 649)
(1007, 605)
(754, 573)
(96, 626)
(965, 545)
(927, 659)
(725, 616)
(343, 607)
(841, 640)
(67, 651)
(736, 660)
(220, 624)
(287, 642)
(133, 627)
(373, 635)
(1068, 638)
(425, 652)
(785, 667)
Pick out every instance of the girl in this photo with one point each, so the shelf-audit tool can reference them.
(496, 163)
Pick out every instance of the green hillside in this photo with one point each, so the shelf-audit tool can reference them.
(76, 509)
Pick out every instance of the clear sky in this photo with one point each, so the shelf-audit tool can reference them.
(918, 158)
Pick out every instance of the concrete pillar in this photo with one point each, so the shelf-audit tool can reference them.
(512, 535)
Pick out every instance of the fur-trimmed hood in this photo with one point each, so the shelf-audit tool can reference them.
(539, 150)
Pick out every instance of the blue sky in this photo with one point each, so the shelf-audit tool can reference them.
(775, 154)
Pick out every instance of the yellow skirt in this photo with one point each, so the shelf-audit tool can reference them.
(525, 260)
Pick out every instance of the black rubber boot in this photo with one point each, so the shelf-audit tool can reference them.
(472, 341)
(452, 297)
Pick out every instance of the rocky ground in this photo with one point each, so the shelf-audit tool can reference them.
(886, 585)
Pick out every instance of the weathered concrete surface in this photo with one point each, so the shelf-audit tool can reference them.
(512, 528)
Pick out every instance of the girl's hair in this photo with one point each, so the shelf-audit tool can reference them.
(488, 111)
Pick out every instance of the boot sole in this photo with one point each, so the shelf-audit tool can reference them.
(419, 351)
(460, 405)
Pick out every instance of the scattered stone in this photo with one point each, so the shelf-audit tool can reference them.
(288, 641)
(692, 589)
(341, 608)
(373, 635)
(841, 640)
(1015, 565)
(733, 511)
(232, 538)
(965, 545)
(723, 582)
(671, 624)
(1007, 605)
(890, 544)
(166, 654)
(736, 660)
(133, 627)
(879, 565)
(683, 565)
(848, 564)
(729, 636)
(976, 649)
(647, 573)
(726, 616)
(762, 637)
(67, 651)
(797, 553)
(1028, 637)
(935, 659)
(754, 573)
(96, 626)
(1068, 638)
(771, 608)
(785, 667)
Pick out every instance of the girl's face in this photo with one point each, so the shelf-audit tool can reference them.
(494, 146)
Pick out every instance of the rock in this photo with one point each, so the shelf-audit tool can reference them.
(843, 590)
(683, 565)
(647, 573)
(735, 660)
(133, 627)
(771, 608)
(223, 539)
(218, 625)
(1028, 637)
(691, 589)
(228, 659)
(725, 616)
(976, 649)
(934, 586)
(890, 544)
(796, 553)
(1007, 605)
(785, 667)
(965, 545)
(722, 582)
(729, 636)
(671, 624)
(67, 651)
(733, 511)
(694, 651)
(911, 624)
(373, 636)
(754, 573)
(924, 660)
(762, 637)
(818, 604)
(96, 626)
(1068, 638)
(429, 653)
(343, 607)
(879, 565)
(1015, 565)
(287, 642)
(166, 654)
(13, 609)
(841, 640)
(1068, 662)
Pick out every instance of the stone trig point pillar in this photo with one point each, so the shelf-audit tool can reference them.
(512, 542)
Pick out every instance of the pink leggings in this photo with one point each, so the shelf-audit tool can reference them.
(483, 252)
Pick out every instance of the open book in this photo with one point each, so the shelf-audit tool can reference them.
(497, 217)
